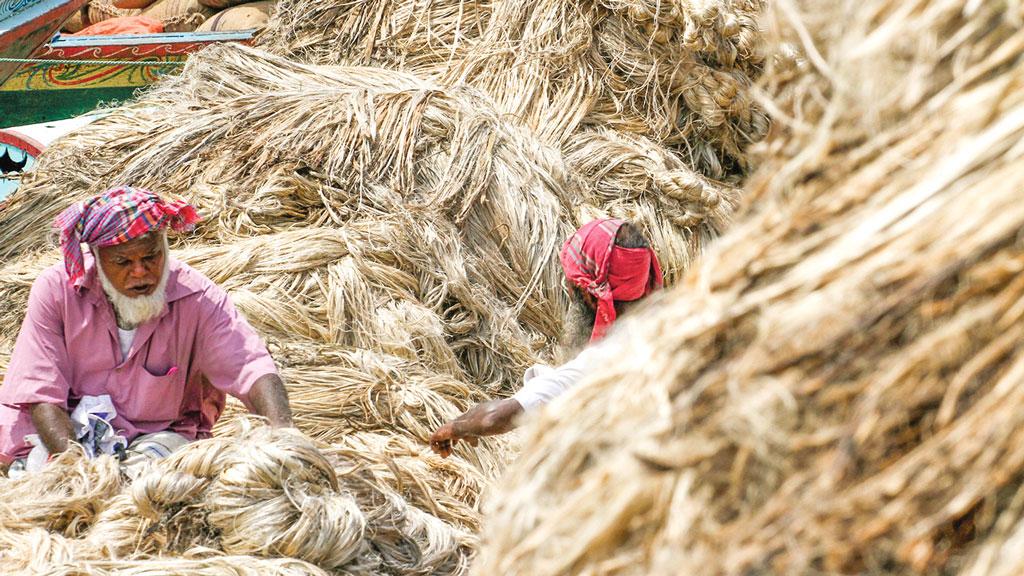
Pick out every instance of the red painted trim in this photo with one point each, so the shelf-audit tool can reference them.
(123, 52)
(98, 74)
(22, 142)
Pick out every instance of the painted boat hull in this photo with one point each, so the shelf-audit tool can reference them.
(18, 154)
(95, 70)
(25, 25)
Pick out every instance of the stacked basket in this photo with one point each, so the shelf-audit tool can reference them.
(177, 15)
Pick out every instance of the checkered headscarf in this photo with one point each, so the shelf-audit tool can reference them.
(115, 217)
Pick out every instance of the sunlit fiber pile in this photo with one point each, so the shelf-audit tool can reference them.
(644, 99)
(250, 494)
(837, 387)
(392, 234)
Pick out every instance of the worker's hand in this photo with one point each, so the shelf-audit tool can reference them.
(446, 437)
(484, 419)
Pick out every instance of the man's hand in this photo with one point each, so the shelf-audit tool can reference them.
(270, 400)
(484, 419)
(446, 437)
(53, 426)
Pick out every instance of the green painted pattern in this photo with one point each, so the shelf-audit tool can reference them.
(34, 106)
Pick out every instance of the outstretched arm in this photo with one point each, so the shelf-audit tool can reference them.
(500, 416)
(484, 419)
(270, 400)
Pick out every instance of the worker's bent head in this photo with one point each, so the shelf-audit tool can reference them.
(612, 265)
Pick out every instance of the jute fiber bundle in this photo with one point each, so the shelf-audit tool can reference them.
(421, 36)
(100, 10)
(202, 565)
(178, 15)
(677, 72)
(836, 388)
(252, 493)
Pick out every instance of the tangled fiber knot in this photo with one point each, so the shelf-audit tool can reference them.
(258, 494)
(270, 494)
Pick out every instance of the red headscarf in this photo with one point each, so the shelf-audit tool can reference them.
(114, 217)
(593, 262)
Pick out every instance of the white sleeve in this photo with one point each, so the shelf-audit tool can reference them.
(542, 386)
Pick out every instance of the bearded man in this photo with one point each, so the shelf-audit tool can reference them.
(123, 341)
(610, 267)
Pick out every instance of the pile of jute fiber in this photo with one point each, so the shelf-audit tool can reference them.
(394, 239)
(675, 72)
(390, 296)
(250, 494)
(837, 387)
(641, 98)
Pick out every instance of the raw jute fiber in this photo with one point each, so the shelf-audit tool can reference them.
(837, 387)
(252, 494)
(677, 72)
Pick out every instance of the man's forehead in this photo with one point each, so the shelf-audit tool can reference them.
(146, 242)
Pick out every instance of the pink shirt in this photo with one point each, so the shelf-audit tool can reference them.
(174, 377)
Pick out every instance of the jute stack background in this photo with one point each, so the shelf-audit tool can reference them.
(392, 233)
(837, 387)
(643, 99)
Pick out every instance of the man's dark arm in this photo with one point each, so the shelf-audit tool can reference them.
(270, 400)
(53, 426)
(484, 419)
(488, 418)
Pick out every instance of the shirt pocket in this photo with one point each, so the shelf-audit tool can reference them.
(152, 397)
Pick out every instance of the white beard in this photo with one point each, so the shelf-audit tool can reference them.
(134, 310)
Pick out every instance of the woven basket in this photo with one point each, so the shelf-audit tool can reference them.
(100, 10)
(179, 15)
(242, 17)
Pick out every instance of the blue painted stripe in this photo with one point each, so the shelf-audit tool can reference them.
(16, 12)
(140, 39)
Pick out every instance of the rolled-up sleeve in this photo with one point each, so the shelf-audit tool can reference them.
(544, 385)
(40, 369)
(229, 352)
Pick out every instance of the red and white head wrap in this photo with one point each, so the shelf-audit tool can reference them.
(115, 217)
(592, 261)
